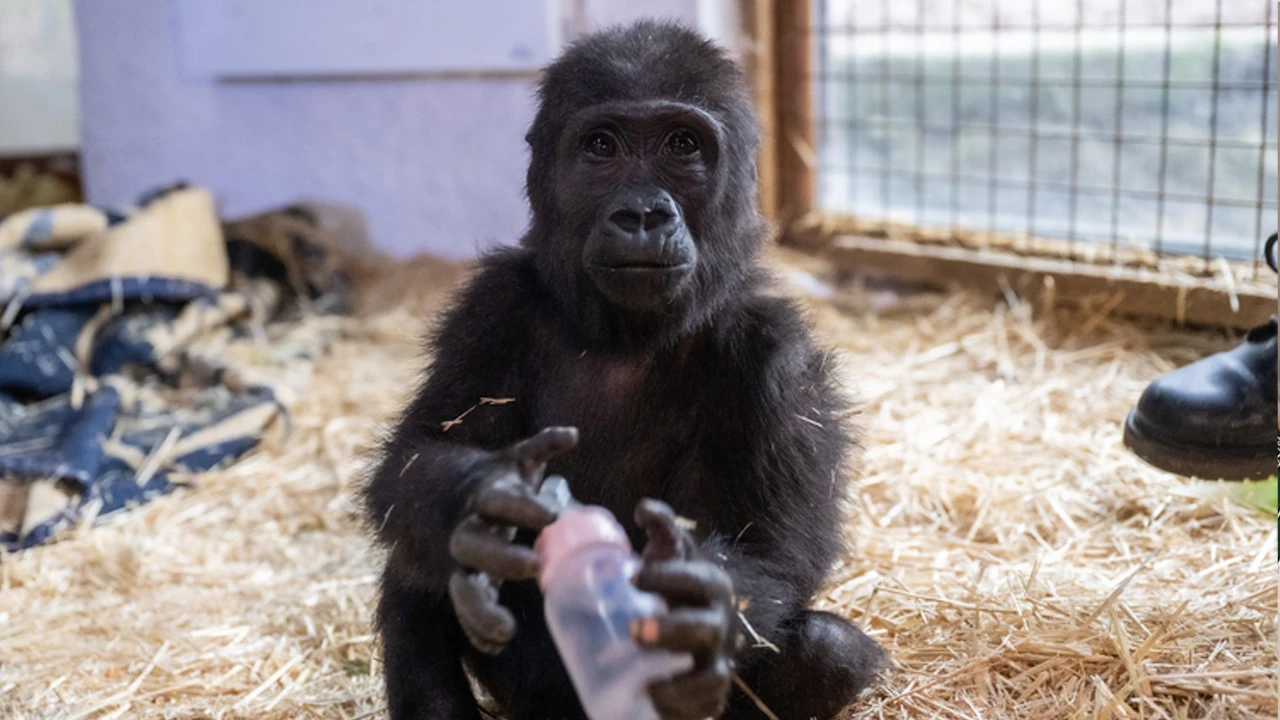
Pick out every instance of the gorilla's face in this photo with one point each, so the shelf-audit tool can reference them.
(642, 183)
(637, 176)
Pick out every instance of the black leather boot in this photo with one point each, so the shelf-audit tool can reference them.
(1216, 418)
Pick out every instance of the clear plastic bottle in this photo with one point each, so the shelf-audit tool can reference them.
(587, 566)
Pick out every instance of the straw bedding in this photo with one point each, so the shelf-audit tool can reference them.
(1014, 558)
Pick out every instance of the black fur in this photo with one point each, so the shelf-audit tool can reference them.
(718, 403)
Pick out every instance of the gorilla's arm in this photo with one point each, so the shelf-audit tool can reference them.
(779, 562)
(420, 489)
(767, 497)
(785, 470)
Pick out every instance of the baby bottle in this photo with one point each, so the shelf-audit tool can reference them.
(587, 566)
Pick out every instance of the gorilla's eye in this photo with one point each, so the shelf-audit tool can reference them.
(682, 142)
(601, 145)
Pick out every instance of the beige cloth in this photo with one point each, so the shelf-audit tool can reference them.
(177, 237)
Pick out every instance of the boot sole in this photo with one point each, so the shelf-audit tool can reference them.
(1199, 461)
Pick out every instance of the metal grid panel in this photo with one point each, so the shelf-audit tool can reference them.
(1138, 123)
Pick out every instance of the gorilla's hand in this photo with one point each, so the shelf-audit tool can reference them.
(701, 621)
(501, 502)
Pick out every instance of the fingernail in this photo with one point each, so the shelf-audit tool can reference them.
(645, 630)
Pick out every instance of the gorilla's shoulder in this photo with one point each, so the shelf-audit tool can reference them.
(493, 296)
(511, 267)
(502, 278)
(767, 331)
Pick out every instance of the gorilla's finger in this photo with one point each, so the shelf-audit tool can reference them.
(512, 503)
(686, 583)
(695, 696)
(473, 545)
(699, 632)
(665, 538)
(488, 625)
(538, 450)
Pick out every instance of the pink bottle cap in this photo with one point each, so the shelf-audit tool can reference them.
(575, 529)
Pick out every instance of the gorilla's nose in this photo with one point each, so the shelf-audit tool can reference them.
(643, 212)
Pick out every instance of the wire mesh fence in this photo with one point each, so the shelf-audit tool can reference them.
(1144, 124)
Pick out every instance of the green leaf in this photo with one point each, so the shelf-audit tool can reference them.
(1261, 494)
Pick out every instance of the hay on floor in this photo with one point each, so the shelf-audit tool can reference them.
(1014, 558)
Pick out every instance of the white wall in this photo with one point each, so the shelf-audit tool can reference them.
(39, 109)
(436, 160)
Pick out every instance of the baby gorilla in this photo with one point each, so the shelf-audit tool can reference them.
(634, 312)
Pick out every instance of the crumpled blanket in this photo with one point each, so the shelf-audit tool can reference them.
(132, 348)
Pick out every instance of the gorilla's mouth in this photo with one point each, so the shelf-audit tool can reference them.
(646, 266)
(640, 273)
(640, 284)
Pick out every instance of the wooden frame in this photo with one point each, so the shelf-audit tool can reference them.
(1136, 291)
(794, 131)
(781, 69)
(758, 20)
